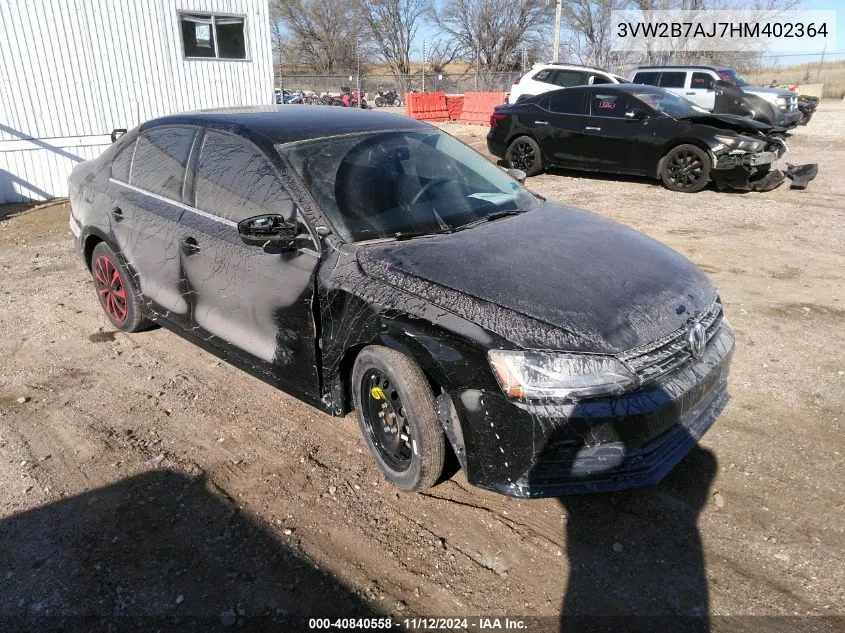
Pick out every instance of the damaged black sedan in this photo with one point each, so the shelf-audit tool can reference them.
(639, 130)
(366, 261)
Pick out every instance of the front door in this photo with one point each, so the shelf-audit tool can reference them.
(700, 91)
(251, 299)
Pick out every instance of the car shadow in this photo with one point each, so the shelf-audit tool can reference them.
(159, 551)
(635, 557)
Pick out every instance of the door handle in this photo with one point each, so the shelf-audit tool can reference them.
(690, 93)
(541, 122)
(190, 246)
(593, 129)
(117, 213)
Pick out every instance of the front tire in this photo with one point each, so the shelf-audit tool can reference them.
(117, 295)
(685, 168)
(396, 413)
(379, 102)
(397, 102)
(524, 153)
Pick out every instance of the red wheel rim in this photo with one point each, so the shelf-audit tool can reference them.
(110, 288)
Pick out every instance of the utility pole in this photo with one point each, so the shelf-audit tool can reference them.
(558, 8)
(358, 71)
(423, 70)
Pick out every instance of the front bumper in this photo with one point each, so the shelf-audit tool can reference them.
(789, 118)
(613, 443)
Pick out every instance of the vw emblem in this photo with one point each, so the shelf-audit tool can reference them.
(697, 339)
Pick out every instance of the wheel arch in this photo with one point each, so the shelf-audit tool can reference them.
(668, 147)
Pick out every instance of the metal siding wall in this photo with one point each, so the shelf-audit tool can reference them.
(74, 68)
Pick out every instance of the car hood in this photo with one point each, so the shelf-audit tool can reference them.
(554, 277)
(760, 90)
(730, 122)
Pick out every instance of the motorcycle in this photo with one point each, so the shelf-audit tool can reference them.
(352, 99)
(388, 98)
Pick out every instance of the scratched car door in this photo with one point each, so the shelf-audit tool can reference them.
(254, 299)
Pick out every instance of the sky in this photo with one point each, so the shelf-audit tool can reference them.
(426, 33)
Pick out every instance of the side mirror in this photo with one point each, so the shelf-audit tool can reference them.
(636, 115)
(517, 174)
(116, 134)
(268, 230)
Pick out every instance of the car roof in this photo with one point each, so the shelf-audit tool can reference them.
(544, 66)
(288, 123)
(688, 67)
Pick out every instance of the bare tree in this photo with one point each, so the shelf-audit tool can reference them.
(441, 53)
(491, 32)
(321, 35)
(392, 25)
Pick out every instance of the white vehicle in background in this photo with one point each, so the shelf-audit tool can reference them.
(547, 77)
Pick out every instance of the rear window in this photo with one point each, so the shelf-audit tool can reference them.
(568, 78)
(122, 162)
(543, 75)
(566, 102)
(160, 159)
(672, 80)
(647, 78)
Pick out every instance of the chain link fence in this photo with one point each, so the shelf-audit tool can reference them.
(436, 82)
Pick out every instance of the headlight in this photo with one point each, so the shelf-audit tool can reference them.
(530, 375)
(782, 100)
(741, 142)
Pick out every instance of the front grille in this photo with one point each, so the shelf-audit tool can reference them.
(672, 352)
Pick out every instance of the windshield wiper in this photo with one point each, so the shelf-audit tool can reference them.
(490, 218)
(409, 235)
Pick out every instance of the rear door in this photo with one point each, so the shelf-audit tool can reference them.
(146, 189)
(560, 127)
(701, 90)
(252, 300)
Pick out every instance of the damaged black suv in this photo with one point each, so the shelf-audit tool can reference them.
(640, 130)
(365, 260)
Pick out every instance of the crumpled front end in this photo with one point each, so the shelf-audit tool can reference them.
(543, 449)
(746, 170)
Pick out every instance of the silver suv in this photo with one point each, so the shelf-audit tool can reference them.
(698, 85)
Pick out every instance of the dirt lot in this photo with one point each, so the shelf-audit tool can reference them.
(139, 476)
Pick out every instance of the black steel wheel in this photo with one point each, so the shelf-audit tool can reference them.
(398, 420)
(685, 168)
(524, 153)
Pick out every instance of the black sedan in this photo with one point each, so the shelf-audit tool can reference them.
(364, 260)
(634, 129)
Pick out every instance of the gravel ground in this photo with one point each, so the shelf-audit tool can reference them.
(140, 476)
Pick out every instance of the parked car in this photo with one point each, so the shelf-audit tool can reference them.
(723, 90)
(547, 77)
(365, 260)
(633, 129)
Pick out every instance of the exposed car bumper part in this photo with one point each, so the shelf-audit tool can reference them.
(596, 445)
(789, 118)
(729, 161)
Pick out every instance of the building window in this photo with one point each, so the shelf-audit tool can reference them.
(213, 36)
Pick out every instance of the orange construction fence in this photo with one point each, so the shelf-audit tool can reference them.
(455, 105)
(478, 106)
(426, 106)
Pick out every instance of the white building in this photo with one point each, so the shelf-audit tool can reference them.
(71, 72)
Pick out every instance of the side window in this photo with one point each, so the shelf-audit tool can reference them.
(608, 104)
(647, 78)
(543, 76)
(568, 78)
(673, 80)
(566, 102)
(236, 181)
(701, 81)
(160, 159)
(596, 80)
(122, 162)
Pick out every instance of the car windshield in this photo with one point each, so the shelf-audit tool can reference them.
(732, 77)
(403, 183)
(667, 102)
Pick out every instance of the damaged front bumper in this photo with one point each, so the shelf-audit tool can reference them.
(612, 443)
(747, 171)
